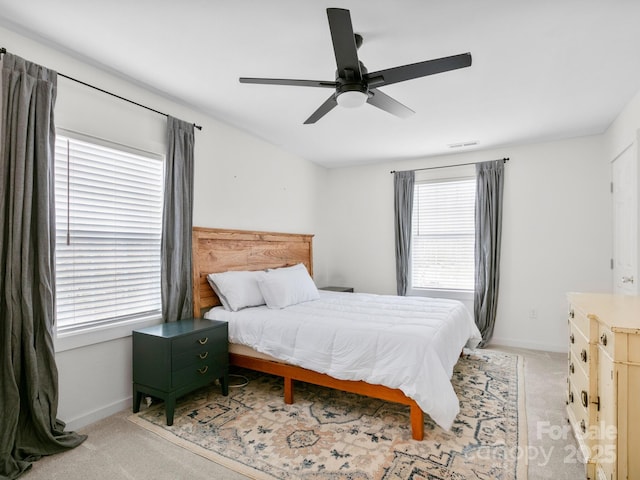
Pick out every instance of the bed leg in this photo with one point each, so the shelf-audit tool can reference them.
(288, 390)
(417, 422)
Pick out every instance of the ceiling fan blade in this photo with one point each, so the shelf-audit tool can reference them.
(325, 108)
(285, 81)
(344, 43)
(417, 70)
(388, 104)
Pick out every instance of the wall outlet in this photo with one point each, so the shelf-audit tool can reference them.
(533, 314)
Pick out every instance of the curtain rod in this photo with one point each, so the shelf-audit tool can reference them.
(199, 127)
(505, 160)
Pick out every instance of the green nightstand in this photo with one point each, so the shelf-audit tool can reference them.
(337, 289)
(172, 359)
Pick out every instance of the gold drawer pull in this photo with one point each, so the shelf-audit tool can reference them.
(583, 355)
(603, 339)
(203, 370)
(584, 398)
(204, 340)
(572, 369)
(204, 355)
(572, 339)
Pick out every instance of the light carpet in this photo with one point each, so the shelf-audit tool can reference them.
(331, 435)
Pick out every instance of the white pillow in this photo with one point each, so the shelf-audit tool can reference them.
(237, 289)
(282, 287)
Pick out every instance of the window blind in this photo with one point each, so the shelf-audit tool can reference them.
(108, 232)
(443, 235)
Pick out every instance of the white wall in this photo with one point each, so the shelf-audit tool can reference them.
(622, 132)
(556, 232)
(240, 182)
(557, 238)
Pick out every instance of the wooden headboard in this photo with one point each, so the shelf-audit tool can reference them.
(217, 250)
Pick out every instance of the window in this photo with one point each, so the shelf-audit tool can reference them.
(108, 231)
(443, 235)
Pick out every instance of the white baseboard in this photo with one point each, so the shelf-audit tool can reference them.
(98, 414)
(545, 347)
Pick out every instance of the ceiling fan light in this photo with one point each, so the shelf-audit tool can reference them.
(352, 99)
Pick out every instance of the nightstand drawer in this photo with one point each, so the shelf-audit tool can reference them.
(197, 357)
(199, 340)
(200, 373)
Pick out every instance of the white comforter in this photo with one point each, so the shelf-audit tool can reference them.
(409, 343)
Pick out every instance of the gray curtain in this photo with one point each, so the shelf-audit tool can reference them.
(29, 376)
(177, 222)
(403, 208)
(488, 220)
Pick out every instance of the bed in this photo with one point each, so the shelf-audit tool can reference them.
(218, 250)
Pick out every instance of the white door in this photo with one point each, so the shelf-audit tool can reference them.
(625, 222)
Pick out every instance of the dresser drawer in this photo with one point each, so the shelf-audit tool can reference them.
(571, 396)
(587, 326)
(579, 378)
(584, 391)
(582, 419)
(579, 348)
(606, 340)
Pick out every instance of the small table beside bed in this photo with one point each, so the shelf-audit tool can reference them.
(399, 349)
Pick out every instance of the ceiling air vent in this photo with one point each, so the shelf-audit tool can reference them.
(463, 144)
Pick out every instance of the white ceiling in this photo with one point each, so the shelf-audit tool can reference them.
(542, 69)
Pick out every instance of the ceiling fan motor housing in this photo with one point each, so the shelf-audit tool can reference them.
(350, 80)
(352, 90)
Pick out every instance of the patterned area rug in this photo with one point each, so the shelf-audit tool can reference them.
(331, 435)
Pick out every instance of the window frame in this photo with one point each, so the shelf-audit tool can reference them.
(440, 175)
(70, 337)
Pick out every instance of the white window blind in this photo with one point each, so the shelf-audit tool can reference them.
(108, 231)
(443, 235)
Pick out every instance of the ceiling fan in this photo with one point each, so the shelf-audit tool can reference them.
(354, 85)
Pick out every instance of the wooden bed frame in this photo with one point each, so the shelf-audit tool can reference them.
(218, 250)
